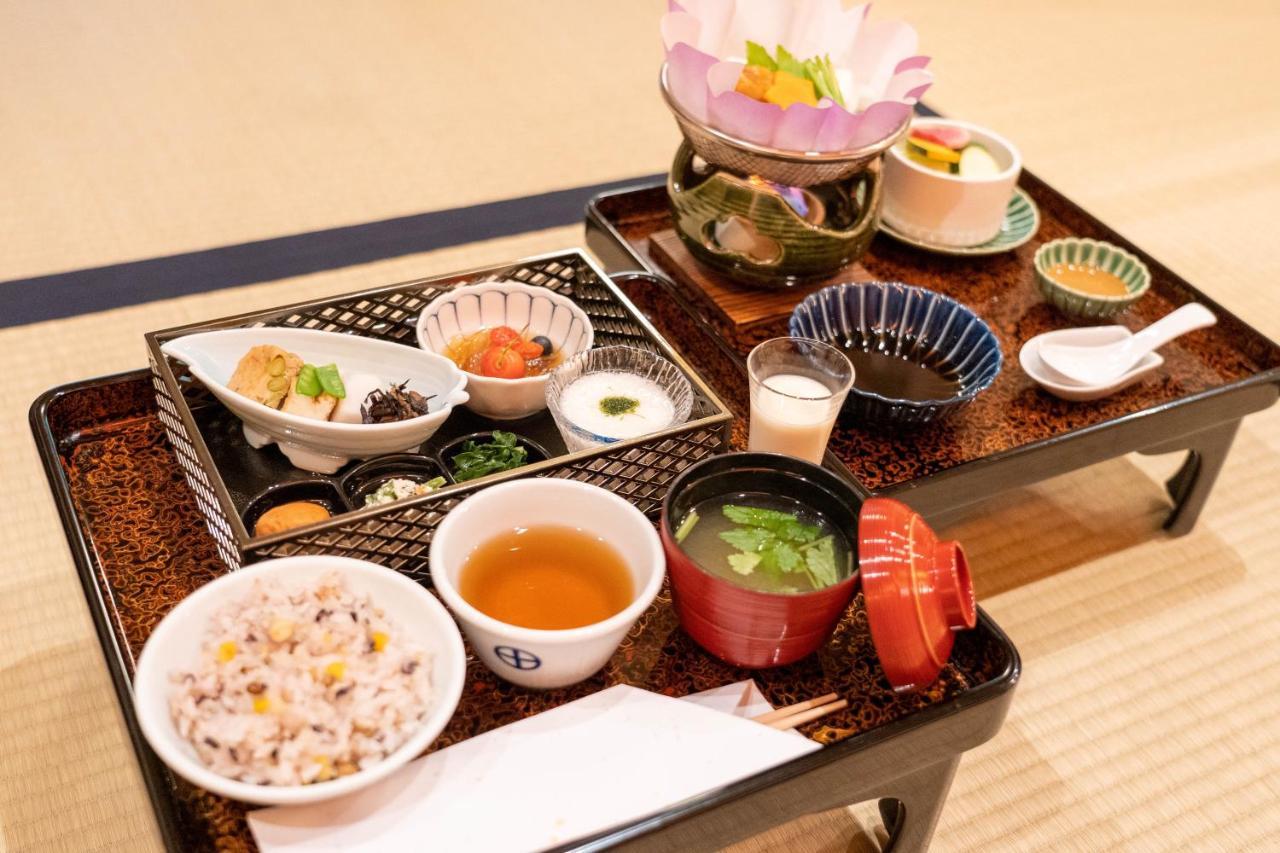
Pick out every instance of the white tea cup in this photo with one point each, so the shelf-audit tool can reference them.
(532, 657)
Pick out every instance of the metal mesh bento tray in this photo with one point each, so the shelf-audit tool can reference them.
(223, 472)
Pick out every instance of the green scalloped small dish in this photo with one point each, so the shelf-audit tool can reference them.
(1021, 222)
(1095, 253)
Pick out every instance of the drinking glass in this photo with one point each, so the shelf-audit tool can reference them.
(797, 388)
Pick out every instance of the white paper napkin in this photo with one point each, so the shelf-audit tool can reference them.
(607, 759)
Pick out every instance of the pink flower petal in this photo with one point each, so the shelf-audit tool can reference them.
(716, 16)
(762, 21)
(876, 61)
(881, 46)
(902, 84)
(746, 118)
(799, 127)
(679, 28)
(838, 127)
(913, 96)
(723, 77)
(687, 78)
(911, 62)
(818, 24)
(879, 120)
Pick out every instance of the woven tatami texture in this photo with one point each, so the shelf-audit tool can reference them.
(1149, 714)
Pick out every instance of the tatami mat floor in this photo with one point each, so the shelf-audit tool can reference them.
(1148, 718)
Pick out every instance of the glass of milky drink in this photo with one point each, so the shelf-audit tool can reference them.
(797, 388)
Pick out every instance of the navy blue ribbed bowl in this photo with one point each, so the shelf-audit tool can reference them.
(917, 324)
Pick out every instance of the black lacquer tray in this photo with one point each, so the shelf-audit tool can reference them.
(1015, 433)
(140, 545)
(227, 474)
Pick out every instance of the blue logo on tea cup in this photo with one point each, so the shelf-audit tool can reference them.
(517, 658)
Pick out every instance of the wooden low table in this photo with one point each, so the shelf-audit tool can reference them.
(1014, 434)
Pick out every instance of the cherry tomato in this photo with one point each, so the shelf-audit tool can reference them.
(502, 335)
(528, 350)
(502, 363)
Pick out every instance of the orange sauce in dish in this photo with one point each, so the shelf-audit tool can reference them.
(1084, 278)
(546, 577)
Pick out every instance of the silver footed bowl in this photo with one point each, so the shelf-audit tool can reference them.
(790, 168)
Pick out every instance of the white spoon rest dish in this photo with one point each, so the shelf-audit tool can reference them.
(1100, 364)
(1068, 389)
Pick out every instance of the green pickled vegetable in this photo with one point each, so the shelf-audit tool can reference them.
(325, 379)
(331, 381)
(819, 70)
(789, 64)
(823, 74)
(757, 55)
(308, 384)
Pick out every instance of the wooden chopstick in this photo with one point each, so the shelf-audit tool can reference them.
(787, 710)
(808, 716)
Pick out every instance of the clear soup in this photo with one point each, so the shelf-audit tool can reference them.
(765, 542)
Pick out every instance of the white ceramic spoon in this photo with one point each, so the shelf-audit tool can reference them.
(1061, 386)
(1096, 365)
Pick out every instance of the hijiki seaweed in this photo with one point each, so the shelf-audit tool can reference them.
(397, 403)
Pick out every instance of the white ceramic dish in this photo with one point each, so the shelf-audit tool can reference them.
(527, 656)
(942, 209)
(1021, 222)
(310, 444)
(532, 310)
(1061, 386)
(175, 644)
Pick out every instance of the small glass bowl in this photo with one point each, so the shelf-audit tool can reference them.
(615, 359)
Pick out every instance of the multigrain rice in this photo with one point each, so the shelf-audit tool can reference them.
(301, 684)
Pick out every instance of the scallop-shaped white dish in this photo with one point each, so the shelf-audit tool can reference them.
(1068, 389)
(316, 445)
(525, 308)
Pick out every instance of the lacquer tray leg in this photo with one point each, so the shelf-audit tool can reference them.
(911, 815)
(1190, 485)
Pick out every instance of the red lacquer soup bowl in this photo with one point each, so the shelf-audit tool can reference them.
(742, 626)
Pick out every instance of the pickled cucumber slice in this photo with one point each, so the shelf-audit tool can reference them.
(930, 163)
(932, 150)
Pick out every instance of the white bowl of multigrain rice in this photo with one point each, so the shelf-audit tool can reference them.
(419, 661)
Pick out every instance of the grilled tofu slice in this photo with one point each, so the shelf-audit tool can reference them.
(320, 406)
(265, 374)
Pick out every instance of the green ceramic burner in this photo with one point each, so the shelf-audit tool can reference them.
(766, 234)
(771, 217)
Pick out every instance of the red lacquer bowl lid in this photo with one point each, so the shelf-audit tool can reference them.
(917, 592)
